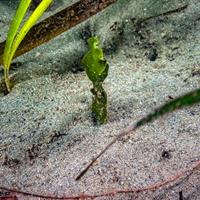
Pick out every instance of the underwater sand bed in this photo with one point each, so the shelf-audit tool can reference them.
(47, 134)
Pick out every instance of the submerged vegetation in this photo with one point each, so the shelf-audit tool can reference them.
(15, 36)
(94, 61)
(96, 68)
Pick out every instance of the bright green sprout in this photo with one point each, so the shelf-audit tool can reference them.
(15, 36)
(96, 68)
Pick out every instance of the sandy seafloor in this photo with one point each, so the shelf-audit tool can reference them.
(46, 131)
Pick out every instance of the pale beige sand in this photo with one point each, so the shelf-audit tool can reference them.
(46, 125)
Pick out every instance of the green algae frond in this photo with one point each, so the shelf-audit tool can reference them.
(96, 68)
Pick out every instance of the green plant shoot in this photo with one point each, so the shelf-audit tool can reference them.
(15, 36)
(96, 68)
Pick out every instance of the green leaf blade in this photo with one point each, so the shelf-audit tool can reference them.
(188, 99)
(38, 12)
(17, 19)
(15, 36)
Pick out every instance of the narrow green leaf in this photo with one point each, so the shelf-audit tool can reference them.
(16, 21)
(15, 36)
(28, 25)
(180, 102)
